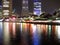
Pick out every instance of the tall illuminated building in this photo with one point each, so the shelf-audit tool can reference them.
(0, 11)
(25, 10)
(37, 7)
(7, 8)
(0, 8)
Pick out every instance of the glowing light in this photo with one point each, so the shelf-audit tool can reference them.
(5, 5)
(6, 33)
(58, 21)
(5, 13)
(35, 35)
(37, 7)
(1, 32)
(1, 19)
(34, 28)
(14, 30)
(49, 30)
(58, 31)
(21, 26)
(6, 19)
(5, 10)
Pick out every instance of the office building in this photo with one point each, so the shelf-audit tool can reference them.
(7, 8)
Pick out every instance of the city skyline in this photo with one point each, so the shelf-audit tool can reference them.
(51, 7)
(47, 5)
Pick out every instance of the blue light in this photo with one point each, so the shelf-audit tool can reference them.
(36, 39)
(37, 12)
(37, 7)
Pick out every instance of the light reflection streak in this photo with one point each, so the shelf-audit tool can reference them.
(58, 31)
(30, 29)
(53, 31)
(21, 27)
(14, 30)
(49, 30)
(35, 35)
(6, 34)
(44, 29)
(39, 32)
(1, 32)
(10, 28)
(24, 34)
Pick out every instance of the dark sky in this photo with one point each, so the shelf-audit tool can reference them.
(0, 2)
(50, 5)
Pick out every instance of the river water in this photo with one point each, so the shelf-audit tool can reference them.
(14, 33)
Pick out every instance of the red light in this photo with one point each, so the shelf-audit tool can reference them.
(13, 17)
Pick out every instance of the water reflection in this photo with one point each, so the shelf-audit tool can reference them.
(36, 35)
(1, 33)
(6, 33)
(58, 32)
(14, 33)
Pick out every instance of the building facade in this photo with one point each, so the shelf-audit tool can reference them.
(37, 7)
(25, 9)
(6, 8)
(0, 11)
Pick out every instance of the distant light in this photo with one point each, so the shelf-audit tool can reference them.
(13, 17)
(6, 14)
(5, 10)
(5, 5)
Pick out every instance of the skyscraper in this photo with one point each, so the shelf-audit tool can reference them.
(37, 7)
(0, 11)
(25, 11)
(7, 8)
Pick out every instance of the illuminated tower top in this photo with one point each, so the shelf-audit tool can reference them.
(25, 10)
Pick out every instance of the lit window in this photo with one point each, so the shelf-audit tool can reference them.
(5, 10)
(5, 5)
(6, 14)
(6, 2)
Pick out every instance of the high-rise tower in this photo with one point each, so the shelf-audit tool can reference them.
(37, 7)
(7, 8)
(25, 11)
(0, 11)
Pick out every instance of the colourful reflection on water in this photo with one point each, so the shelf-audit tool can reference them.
(1, 33)
(49, 30)
(14, 33)
(6, 33)
(14, 29)
(58, 32)
(35, 35)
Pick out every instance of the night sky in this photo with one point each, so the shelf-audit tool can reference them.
(0, 2)
(47, 5)
(50, 5)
